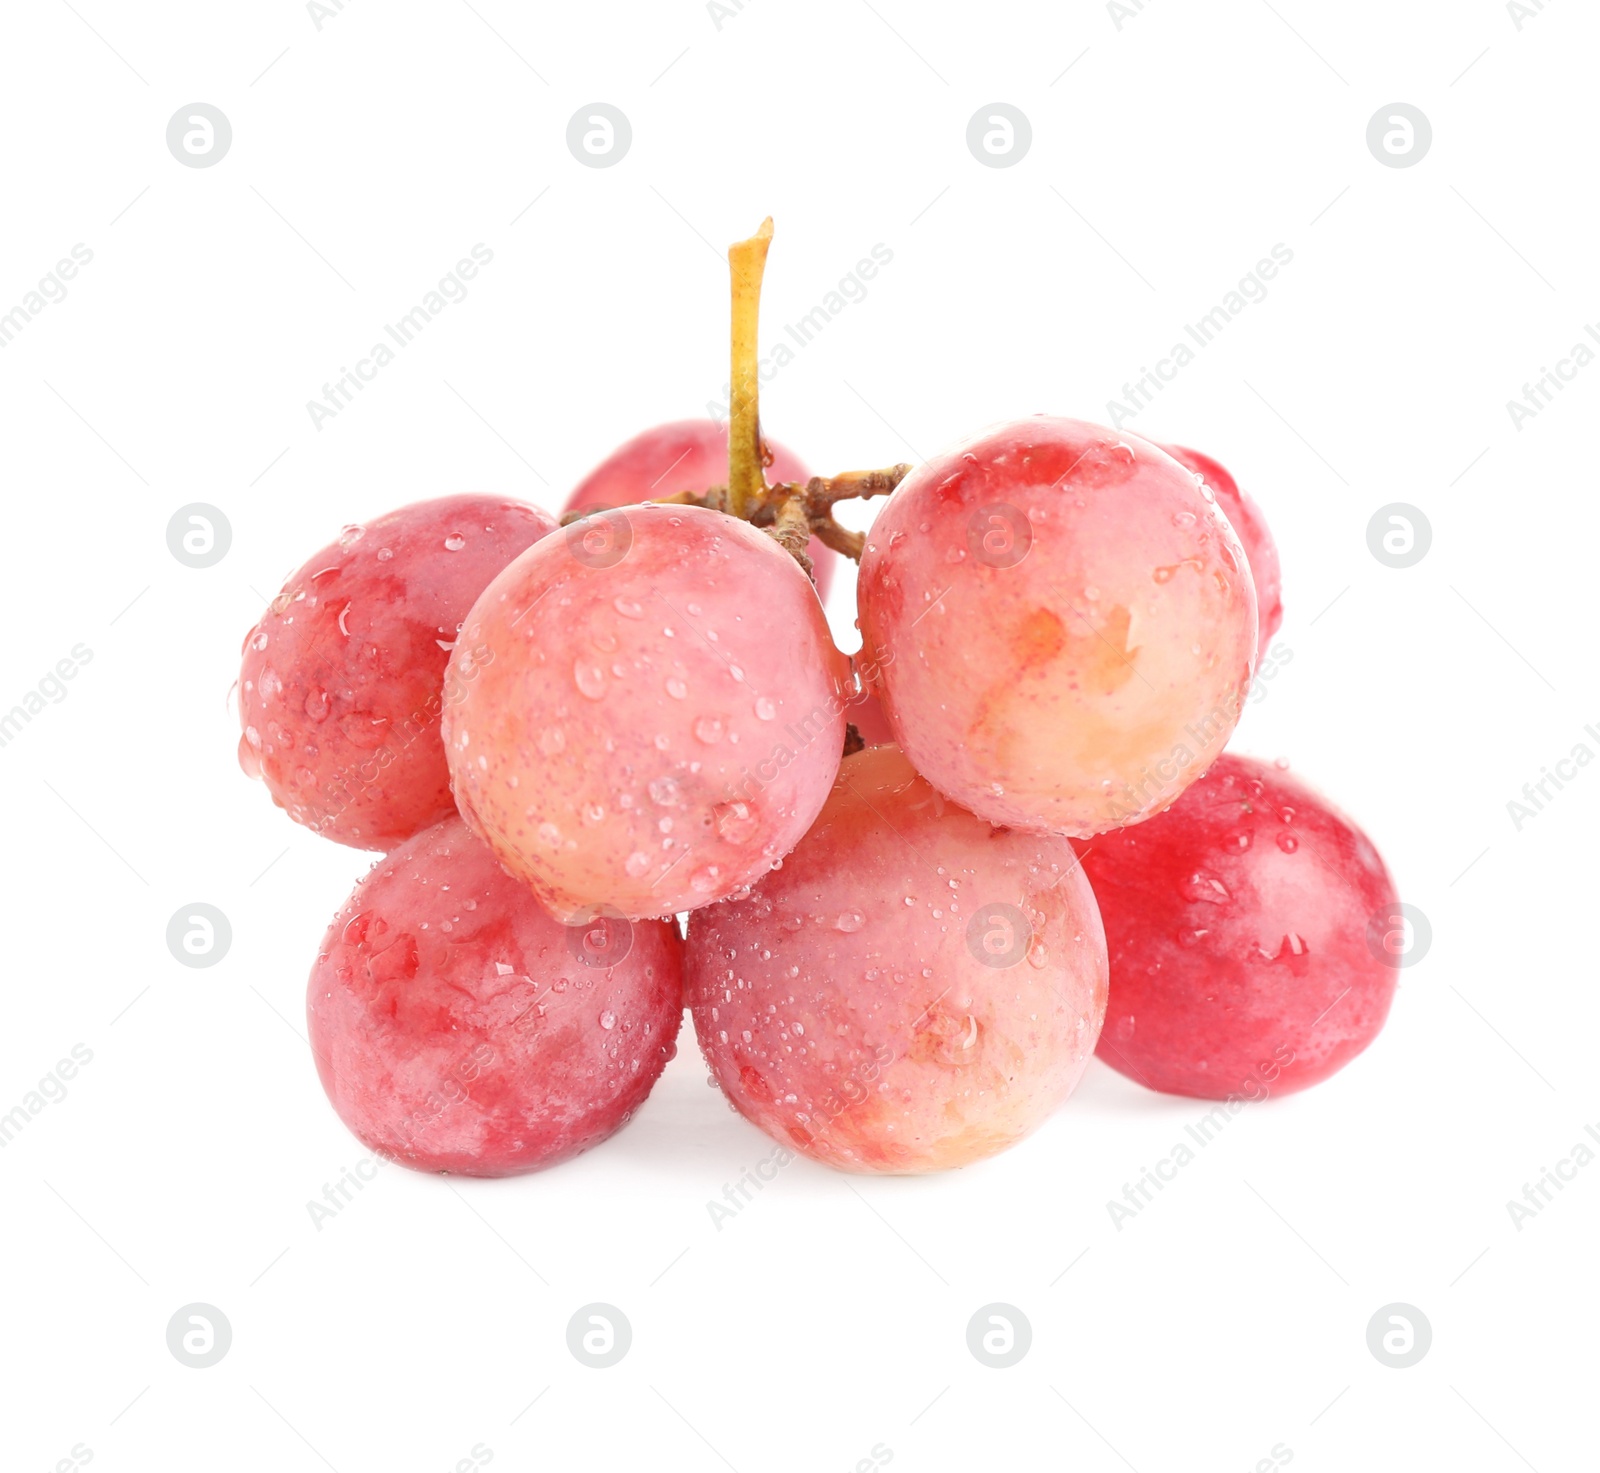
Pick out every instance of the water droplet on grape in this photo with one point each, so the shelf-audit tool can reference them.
(249, 762)
(1206, 887)
(589, 678)
(454, 542)
(363, 729)
(850, 920)
(316, 703)
(1288, 843)
(709, 729)
(1293, 945)
(676, 688)
(736, 821)
(608, 1019)
(766, 709)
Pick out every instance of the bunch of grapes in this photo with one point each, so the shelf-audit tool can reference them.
(617, 765)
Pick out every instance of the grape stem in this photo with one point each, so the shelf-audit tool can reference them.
(793, 512)
(747, 481)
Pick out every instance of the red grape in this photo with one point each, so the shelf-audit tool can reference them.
(685, 455)
(646, 712)
(1238, 925)
(1246, 519)
(1064, 625)
(458, 1027)
(914, 989)
(339, 692)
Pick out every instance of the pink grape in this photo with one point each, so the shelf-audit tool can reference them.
(685, 455)
(913, 990)
(1247, 933)
(1064, 625)
(458, 1027)
(1246, 519)
(339, 691)
(645, 713)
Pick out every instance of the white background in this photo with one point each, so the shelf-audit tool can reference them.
(830, 1316)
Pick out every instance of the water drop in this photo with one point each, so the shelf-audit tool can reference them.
(363, 729)
(736, 821)
(1206, 887)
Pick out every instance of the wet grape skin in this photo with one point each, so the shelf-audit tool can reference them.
(1063, 625)
(645, 712)
(458, 1027)
(913, 990)
(340, 681)
(1240, 932)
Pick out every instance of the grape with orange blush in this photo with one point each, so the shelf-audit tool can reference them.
(457, 1026)
(339, 691)
(1063, 622)
(914, 990)
(685, 454)
(1247, 930)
